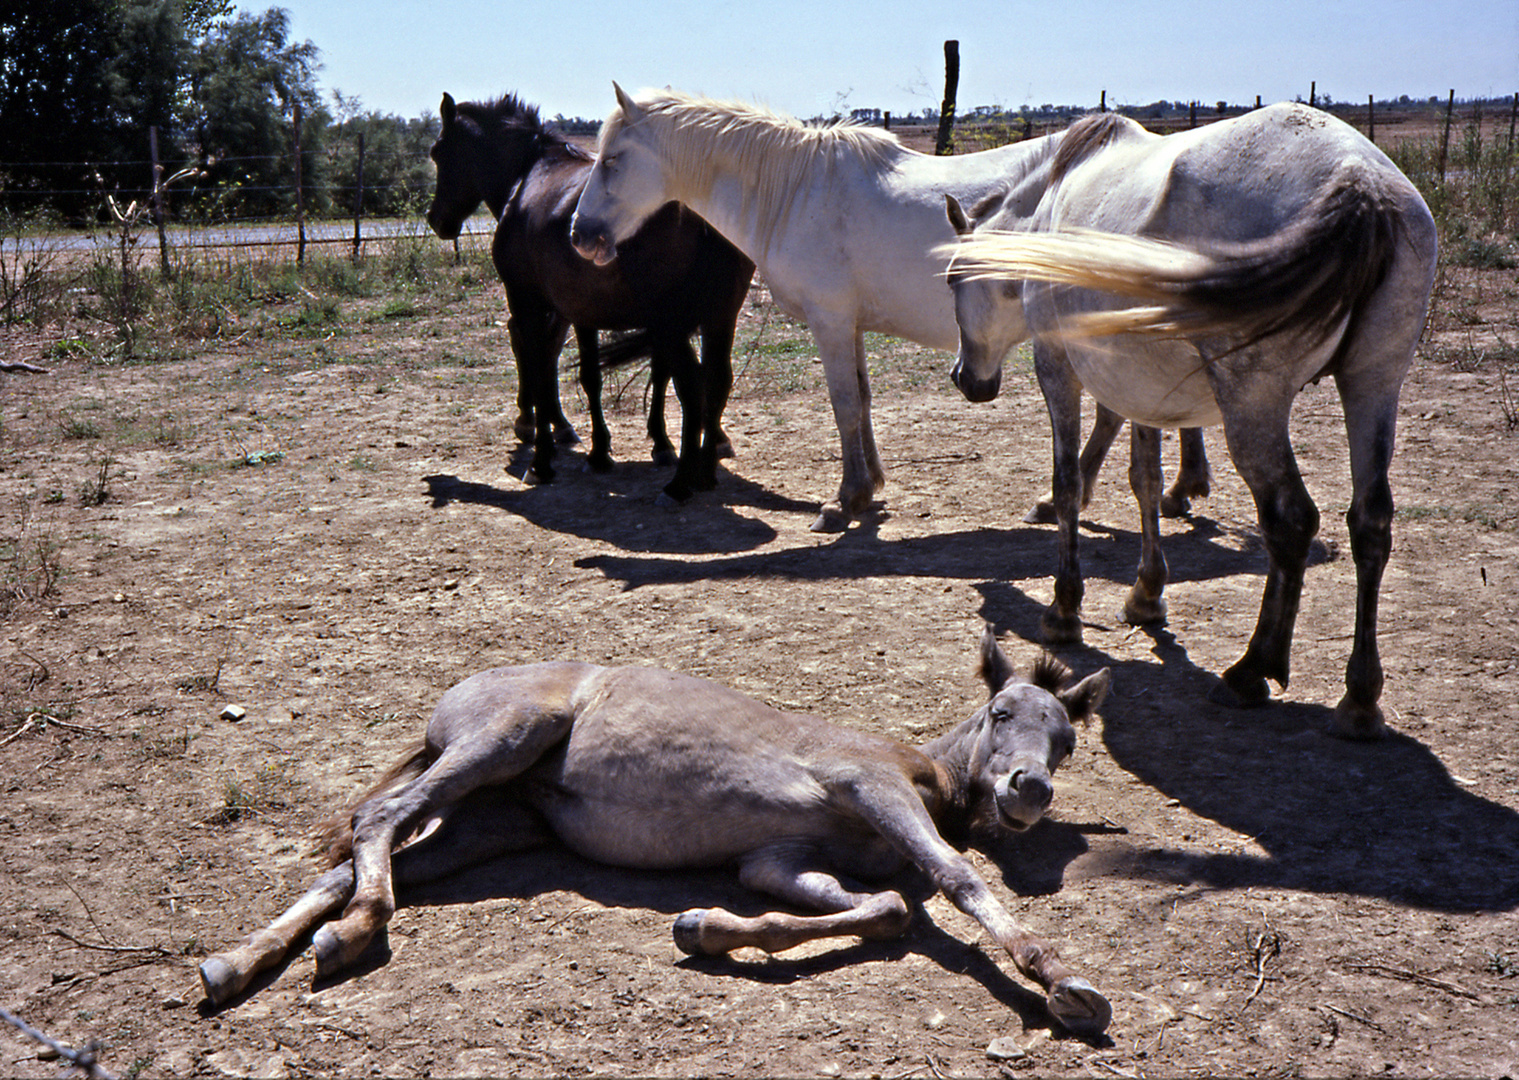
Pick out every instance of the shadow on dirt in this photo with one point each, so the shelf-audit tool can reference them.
(1204, 553)
(1382, 819)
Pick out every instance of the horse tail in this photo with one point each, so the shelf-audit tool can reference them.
(334, 836)
(1309, 277)
(627, 349)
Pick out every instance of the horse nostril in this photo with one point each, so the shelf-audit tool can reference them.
(1032, 788)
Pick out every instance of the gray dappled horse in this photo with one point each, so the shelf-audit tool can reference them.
(637, 767)
(1199, 278)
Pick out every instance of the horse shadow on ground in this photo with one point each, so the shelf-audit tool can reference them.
(1204, 552)
(1383, 819)
(621, 507)
(553, 868)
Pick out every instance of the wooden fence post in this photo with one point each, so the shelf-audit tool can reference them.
(951, 87)
(1371, 117)
(1450, 108)
(300, 198)
(158, 203)
(358, 199)
(1513, 114)
(1313, 94)
(1102, 106)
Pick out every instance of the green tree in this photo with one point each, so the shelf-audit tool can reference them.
(245, 76)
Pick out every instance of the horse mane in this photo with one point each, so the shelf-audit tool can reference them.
(1091, 132)
(509, 114)
(1050, 673)
(779, 153)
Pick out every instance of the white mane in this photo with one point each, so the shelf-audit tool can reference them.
(778, 155)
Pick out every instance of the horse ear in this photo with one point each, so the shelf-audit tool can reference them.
(630, 111)
(1081, 700)
(448, 110)
(957, 216)
(994, 668)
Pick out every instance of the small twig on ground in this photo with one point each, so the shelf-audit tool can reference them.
(86, 1060)
(1415, 977)
(1352, 1016)
(24, 368)
(1268, 946)
(158, 949)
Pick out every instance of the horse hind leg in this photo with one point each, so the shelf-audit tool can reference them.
(787, 874)
(600, 457)
(1194, 480)
(1145, 604)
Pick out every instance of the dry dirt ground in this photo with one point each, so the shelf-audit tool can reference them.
(322, 529)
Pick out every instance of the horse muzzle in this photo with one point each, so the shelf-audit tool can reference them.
(975, 388)
(592, 241)
(1022, 798)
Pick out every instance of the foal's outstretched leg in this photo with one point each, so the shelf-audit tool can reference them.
(1194, 480)
(785, 873)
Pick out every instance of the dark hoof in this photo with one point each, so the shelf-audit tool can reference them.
(599, 463)
(725, 450)
(566, 436)
(1240, 691)
(1175, 506)
(328, 950)
(665, 456)
(1043, 513)
(671, 498)
(1363, 723)
(688, 931)
(1079, 1008)
(536, 477)
(1058, 629)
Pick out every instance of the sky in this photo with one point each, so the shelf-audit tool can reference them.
(826, 57)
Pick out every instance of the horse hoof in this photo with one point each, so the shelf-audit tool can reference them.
(533, 478)
(671, 502)
(1240, 691)
(595, 464)
(725, 450)
(1175, 506)
(1043, 513)
(220, 980)
(328, 949)
(1144, 612)
(566, 436)
(831, 520)
(1360, 722)
(688, 931)
(1079, 1008)
(1058, 629)
(664, 457)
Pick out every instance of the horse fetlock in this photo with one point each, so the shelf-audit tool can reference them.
(890, 919)
(1078, 1007)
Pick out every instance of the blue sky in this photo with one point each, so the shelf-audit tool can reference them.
(819, 57)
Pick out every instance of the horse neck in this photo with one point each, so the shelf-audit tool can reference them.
(951, 754)
(501, 162)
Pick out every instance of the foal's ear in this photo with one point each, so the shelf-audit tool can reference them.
(994, 667)
(957, 217)
(1081, 700)
(448, 110)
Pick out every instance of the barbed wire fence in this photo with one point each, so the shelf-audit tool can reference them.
(86, 1062)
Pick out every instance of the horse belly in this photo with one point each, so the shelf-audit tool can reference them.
(1160, 385)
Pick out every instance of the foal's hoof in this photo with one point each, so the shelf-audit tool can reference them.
(725, 450)
(1043, 513)
(1175, 506)
(599, 463)
(665, 456)
(220, 980)
(688, 931)
(1361, 722)
(1079, 1008)
(330, 953)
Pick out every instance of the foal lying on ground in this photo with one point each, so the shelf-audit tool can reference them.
(638, 767)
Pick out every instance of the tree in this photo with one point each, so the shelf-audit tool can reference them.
(245, 76)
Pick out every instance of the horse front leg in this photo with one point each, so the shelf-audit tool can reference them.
(537, 336)
(1262, 452)
(1194, 479)
(600, 459)
(1145, 604)
(786, 873)
(842, 348)
(717, 385)
(680, 358)
(1061, 623)
(1104, 430)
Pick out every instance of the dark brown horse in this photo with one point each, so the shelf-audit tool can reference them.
(675, 278)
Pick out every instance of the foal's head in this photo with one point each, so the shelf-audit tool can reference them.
(1024, 734)
(483, 149)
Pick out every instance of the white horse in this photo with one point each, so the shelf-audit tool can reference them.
(1263, 252)
(844, 222)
